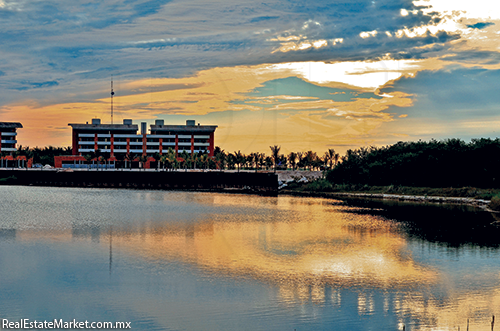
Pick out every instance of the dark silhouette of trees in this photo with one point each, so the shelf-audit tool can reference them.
(447, 163)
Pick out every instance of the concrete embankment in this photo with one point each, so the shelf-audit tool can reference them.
(481, 203)
(259, 183)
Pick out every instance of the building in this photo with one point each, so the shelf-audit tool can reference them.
(117, 139)
(8, 132)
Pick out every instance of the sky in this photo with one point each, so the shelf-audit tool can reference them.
(303, 75)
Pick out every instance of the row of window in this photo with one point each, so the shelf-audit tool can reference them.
(139, 140)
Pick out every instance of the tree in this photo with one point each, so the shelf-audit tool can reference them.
(88, 158)
(128, 159)
(157, 157)
(275, 150)
(184, 156)
(143, 159)
(171, 159)
(220, 158)
(231, 161)
(239, 159)
(292, 158)
(329, 157)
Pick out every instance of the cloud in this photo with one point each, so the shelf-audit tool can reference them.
(480, 25)
(251, 61)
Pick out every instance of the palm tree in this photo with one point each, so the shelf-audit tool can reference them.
(184, 156)
(192, 160)
(88, 157)
(300, 160)
(128, 159)
(336, 157)
(164, 160)
(262, 160)
(292, 158)
(275, 150)
(239, 159)
(220, 158)
(310, 159)
(157, 157)
(102, 159)
(143, 159)
(231, 161)
(268, 161)
(172, 160)
(329, 157)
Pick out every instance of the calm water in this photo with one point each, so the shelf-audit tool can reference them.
(205, 261)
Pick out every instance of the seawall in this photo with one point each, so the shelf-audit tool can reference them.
(245, 182)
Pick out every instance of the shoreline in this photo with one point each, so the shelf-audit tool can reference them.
(479, 203)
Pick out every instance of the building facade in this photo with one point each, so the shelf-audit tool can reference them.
(121, 139)
(8, 133)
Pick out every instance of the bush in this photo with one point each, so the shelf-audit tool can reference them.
(495, 202)
(321, 185)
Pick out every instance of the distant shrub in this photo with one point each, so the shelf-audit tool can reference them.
(495, 202)
(320, 185)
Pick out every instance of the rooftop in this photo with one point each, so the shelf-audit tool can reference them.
(105, 127)
(10, 125)
(184, 128)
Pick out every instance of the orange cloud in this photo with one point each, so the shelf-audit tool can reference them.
(219, 96)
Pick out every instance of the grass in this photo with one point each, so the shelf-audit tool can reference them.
(8, 180)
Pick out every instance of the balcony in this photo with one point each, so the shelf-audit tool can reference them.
(127, 136)
(163, 136)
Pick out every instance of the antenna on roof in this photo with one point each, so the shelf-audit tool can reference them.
(112, 93)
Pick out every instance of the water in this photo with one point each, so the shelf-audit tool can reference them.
(207, 261)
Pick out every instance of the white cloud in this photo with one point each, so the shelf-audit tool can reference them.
(367, 34)
(368, 75)
(479, 9)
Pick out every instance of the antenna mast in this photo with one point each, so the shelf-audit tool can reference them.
(112, 93)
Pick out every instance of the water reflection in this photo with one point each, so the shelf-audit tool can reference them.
(348, 263)
(324, 249)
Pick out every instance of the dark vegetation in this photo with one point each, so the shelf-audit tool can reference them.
(449, 163)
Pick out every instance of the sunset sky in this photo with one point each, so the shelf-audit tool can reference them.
(299, 74)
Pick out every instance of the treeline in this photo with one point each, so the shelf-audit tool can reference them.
(447, 163)
(222, 160)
